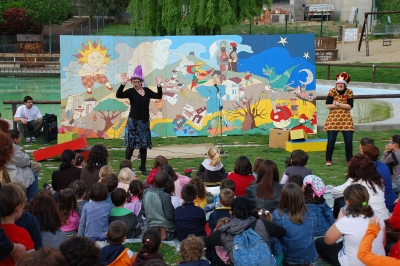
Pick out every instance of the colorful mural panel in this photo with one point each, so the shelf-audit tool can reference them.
(230, 83)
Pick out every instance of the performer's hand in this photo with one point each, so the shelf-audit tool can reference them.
(159, 79)
(124, 78)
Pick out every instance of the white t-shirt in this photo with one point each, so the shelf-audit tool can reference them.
(29, 114)
(353, 230)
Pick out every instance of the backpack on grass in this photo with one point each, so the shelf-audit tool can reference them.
(249, 249)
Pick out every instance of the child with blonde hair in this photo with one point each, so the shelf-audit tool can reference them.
(191, 251)
(159, 161)
(105, 170)
(125, 176)
(212, 169)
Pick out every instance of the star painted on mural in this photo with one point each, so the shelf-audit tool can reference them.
(283, 41)
(306, 56)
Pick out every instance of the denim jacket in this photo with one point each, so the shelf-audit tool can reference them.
(298, 244)
(324, 217)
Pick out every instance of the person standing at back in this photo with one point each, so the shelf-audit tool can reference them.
(29, 119)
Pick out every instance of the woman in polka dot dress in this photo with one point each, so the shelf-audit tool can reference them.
(339, 102)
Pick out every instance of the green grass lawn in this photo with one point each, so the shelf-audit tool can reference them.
(333, 175)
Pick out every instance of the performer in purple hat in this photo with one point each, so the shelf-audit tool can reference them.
(137, 133)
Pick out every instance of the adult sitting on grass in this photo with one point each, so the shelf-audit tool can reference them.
(29, 119)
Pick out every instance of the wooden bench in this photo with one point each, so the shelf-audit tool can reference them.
(39, 60)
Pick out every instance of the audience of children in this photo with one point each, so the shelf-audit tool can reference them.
(212, 169)
(226, 183)
(95, 215)
(125, 163)
(68, 207)
(44, 208)
(256, 164)
(298, 244)
(242, 175)
(120, 213)
(298, 160)
(201, 199)
(265, 193)
(125, 176)
(159, 161)
(116, 253)
(192, 251)
(352, 223)
(157, 206)
(60, 179)
(151, 243)
(314, 189)
(226, 197)
(79, 161)
(98, 157)
(287, 216)
(170, 189)
(189, 219)
(79, 188)
(13, 200)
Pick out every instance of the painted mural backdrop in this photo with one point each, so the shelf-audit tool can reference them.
(237, 84)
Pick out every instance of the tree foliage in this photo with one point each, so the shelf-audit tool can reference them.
(17, 21)
(388, 5)
(45, 11)
(203, 17)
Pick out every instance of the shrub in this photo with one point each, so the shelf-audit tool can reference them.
(16, 21)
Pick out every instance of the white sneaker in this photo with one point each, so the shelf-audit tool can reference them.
(33, 138)
(28, 140)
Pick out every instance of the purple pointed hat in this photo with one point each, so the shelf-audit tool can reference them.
(137, 73)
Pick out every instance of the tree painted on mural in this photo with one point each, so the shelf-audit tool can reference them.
(203, 17)
(246, 111)
(109, 110)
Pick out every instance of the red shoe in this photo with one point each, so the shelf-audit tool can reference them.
(109, 88)
(89, 92)
(328, 163)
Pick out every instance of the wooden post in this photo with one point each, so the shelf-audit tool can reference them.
(373, 73)
(328, 74)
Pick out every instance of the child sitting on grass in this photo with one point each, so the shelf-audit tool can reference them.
(13, 200)
(226, 197)
(191, 251)
(120, 213)
(298, 160)
(79, 188)
(151, 244)
(201, 199)
(116, 253)
(159, 161)
(125, 176)
(190, 219)
(66, 203)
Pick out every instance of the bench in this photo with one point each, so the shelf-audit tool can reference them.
(39, 60)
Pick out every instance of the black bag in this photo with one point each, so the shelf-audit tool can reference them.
(392, 163)
(50, 130)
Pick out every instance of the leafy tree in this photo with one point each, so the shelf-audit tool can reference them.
(48, 11)
(109, 110)
(17, 21)
(203, 17)
(249, 114)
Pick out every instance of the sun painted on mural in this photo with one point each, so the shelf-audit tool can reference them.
(211, 84)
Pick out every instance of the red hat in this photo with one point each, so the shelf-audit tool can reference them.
(233, 44)
(395, 251)
(343, 77)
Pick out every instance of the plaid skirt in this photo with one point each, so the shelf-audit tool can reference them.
(137, 134)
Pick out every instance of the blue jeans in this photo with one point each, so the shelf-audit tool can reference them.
(31, 190)
(348, 143)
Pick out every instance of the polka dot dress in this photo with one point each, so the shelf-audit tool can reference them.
(339, 119)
